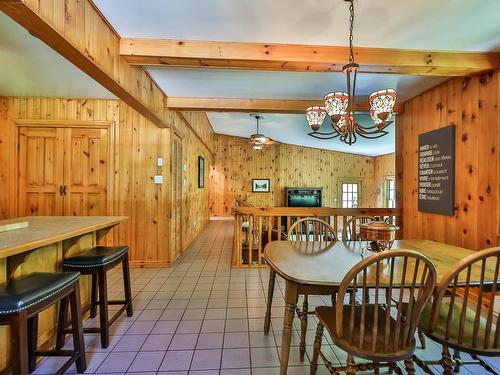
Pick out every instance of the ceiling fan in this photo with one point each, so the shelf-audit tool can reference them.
(258, 140)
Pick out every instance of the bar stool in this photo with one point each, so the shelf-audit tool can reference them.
(22, 299)
(96, 262)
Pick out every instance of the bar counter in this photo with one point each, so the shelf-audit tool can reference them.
(41, 246)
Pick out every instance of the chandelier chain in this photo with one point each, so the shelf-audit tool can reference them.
(351, 28)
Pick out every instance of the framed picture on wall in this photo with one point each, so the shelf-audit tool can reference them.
(201, 172)
(261, 185)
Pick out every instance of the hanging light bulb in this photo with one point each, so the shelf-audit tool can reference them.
(257, 146)
(315, 117)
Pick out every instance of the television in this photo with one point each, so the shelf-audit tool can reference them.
(304, 197)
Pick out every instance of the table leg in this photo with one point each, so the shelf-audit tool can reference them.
(291, 296)
(270, 293)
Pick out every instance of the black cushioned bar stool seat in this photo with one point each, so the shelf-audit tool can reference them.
(22, 299)
(26, 291)
(96, 262)
(96, 257)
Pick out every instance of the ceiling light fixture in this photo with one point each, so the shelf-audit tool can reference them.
(258, 140)
(341, 106)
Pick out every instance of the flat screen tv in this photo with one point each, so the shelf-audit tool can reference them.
(303, 197)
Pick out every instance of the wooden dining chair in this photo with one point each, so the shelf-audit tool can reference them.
(350, 228)
(310, 235)
(322, 233)
(312, 229)
(458, 319)
(380, 331)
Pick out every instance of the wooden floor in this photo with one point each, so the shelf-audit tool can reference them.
(201, 317)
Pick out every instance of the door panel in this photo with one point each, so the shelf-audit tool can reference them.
(41, 153)
(63, 171)
(85, 171)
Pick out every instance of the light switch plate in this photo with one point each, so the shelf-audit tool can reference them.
(185, 167)
(158, 179)
(159, 162)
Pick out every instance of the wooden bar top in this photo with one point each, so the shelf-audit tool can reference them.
(45, 230)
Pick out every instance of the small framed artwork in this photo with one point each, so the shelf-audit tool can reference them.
(201, 172)
(261, 185)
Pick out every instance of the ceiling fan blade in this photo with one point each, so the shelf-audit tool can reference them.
(271, 142)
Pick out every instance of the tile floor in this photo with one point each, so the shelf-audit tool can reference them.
(202, 317)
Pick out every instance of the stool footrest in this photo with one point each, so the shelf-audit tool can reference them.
(68, 328)
(54, 353)
(116, 302)
(73, 356)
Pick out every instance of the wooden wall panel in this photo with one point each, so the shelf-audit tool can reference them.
(197, 140)
(138, 142)
(472, 104)
(286, 166)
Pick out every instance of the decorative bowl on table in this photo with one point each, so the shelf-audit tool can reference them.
(380, 234)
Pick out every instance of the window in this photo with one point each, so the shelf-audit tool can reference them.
(350, 194)
(390, 193)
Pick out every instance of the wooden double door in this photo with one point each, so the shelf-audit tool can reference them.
(63, 171)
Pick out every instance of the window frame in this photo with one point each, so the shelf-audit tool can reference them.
(341, 182)
(387, 181)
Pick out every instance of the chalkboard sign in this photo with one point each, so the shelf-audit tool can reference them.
(436, 171)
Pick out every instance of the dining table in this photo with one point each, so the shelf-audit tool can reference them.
(311, 268)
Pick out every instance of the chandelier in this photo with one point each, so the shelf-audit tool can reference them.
(341, 106)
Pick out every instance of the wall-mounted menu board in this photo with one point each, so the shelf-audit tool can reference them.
(436, 171)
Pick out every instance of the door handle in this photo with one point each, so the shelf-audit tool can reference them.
(61, 190)
(64, 189)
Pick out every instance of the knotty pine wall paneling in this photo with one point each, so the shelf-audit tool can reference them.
(138, 142)
(195, 209)
(305, 166)
(472, 104)
(236, 163)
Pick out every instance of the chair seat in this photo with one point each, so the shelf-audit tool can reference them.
(453, 340)
(26, 291)
(327, 316)
(96, 257)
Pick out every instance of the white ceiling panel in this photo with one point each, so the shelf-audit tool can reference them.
(462, 25)
(293, 129)
(28, 67)
(226, 83)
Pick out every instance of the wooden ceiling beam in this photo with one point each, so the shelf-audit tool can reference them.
(254, 105)
(305, 58)
(21, 12)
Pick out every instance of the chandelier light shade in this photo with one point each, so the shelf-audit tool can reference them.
(341, 106)
(315, 117)
(336, 104)
(382, 104)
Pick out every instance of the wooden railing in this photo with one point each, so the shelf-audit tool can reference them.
(239, 202)
(254, 227)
